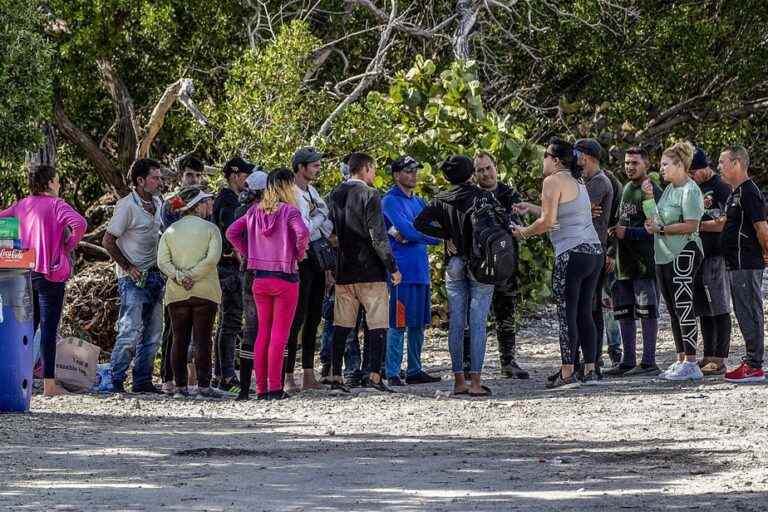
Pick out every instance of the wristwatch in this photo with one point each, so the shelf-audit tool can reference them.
(661, 229)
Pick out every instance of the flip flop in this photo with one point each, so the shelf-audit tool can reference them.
(457, 393)
(486, 392)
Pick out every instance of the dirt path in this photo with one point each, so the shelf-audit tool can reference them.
(630, 444)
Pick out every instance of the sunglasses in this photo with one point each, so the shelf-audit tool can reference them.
(550, 155)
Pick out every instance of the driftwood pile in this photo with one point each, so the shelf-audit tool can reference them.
(91, 305)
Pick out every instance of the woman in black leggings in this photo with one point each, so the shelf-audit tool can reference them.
(566, 213)
(674, 223)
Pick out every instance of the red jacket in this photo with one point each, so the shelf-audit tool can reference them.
(274, 242)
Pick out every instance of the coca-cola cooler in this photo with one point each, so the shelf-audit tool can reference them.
(16, 330)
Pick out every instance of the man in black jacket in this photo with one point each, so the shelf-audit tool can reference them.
(364, 258)
(236, 171)
(487, 178)
(447, 217)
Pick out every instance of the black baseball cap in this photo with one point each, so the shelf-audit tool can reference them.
(700, 160)
(306, 155)
(238, 164)
(404, 163)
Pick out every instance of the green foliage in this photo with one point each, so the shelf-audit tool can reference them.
(268, 112)
(25, 81)
(437, 114)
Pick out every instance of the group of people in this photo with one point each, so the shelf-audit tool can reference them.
(701, 244)
(271, 258)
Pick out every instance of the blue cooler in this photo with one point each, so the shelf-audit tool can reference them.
(16, 340)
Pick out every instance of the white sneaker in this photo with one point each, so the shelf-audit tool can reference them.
(671, 369)
(192, 390)
(685, 371)
(169, 388)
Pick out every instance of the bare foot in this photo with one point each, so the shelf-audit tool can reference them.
(50, 388)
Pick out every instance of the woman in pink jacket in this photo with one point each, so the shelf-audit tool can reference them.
(273, 238)
(52, 229)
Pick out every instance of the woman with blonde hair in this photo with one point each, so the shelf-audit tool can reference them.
(273, 238)
(674, 224)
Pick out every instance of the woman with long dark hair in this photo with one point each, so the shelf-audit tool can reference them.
(52, 229)
(566, 214)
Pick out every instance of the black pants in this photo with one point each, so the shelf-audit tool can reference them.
(374, 349)
(679, 286)
(250, 328)
(230, 319)
(166, 365)
(574, 283)
(309, 312)
(48, 301)
(192, 319)
(716, 334)
(597, 315)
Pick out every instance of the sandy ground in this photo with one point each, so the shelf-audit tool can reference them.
(630, 444)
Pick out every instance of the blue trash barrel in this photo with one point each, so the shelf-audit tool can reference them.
(16, 340)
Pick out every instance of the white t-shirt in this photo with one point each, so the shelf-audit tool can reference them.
(137, 232)
(314, 212)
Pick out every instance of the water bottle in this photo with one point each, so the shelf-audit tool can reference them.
(11, 244)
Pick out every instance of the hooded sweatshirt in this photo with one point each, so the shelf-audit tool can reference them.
(446, 217)
(271, 242)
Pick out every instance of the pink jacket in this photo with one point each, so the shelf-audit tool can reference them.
(43, 221)
(275, 242)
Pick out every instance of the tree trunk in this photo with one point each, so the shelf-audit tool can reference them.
(104, 167)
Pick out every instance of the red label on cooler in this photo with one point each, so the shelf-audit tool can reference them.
(16, 258)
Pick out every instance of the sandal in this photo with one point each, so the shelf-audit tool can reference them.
(486, 392)
(457, 393)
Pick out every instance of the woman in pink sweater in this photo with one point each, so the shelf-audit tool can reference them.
(273, 238)
(53, 229)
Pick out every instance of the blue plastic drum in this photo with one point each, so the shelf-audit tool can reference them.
(16, 340)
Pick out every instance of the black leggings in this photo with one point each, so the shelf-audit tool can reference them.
(309, 312)
(716, 334)
(574, 282)
(196, 315)
(677, 283)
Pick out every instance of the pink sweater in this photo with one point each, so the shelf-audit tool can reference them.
(43, 221)
(274, 242)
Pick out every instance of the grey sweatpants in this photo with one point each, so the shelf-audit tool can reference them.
(746, 290)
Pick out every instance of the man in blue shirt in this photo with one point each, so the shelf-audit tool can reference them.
(410, 305)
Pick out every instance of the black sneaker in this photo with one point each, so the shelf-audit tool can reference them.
(557, 381)
(338, 387)
(147, 387)
(380, 386)
(617, 371)
(243, 396)
(395, 381)
(117, 387)
(231, 386)
(615, 355)
(513, 371)
(325, 373)
(590, 378)
(422, 378)
(277, 395)
(354, 381)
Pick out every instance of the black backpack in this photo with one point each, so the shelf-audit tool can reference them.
(493, 253)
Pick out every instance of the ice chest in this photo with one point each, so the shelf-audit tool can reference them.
(16, 340)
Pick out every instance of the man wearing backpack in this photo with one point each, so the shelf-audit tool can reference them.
(504, 293)
(448, 217)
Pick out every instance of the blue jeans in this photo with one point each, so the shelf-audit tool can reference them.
(139, 328)
(395, 338)
(465, 294)
(352, 348)
(48, 301)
